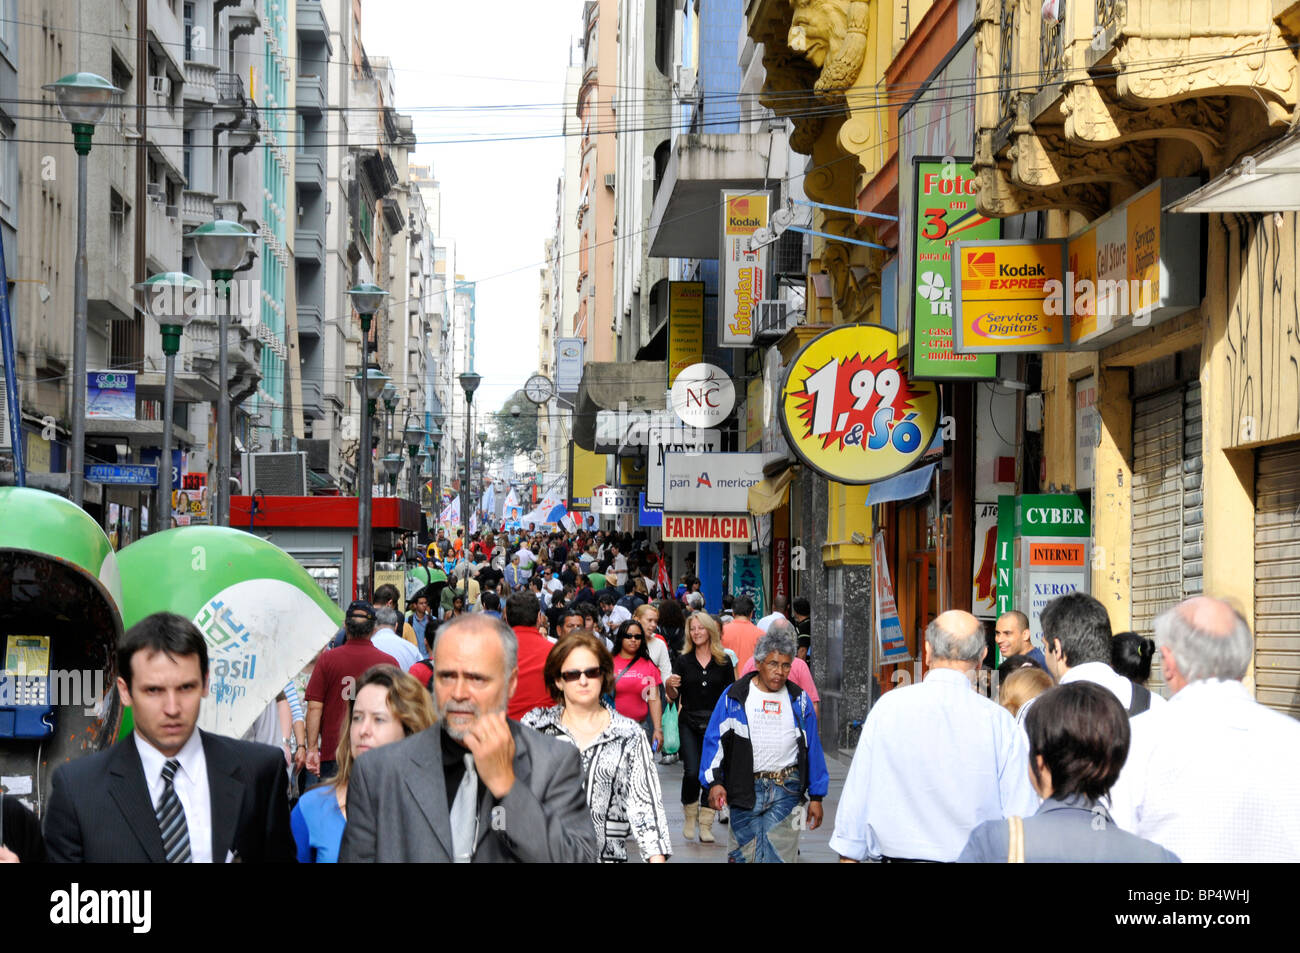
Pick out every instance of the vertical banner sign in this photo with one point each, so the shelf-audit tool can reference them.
(850, 412)
(945, 213)
(742, 281)
(685, 326)
(747, 580)
(1087, 431)
(893, 647)
(984, 603)
(781, 568)
(1005, 563)
(568, 365)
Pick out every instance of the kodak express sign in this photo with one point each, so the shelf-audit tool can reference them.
(1002, 287)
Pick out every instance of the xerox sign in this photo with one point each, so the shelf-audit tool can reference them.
(711, 482)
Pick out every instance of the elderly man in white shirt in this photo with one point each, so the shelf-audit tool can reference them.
(1212, 776)
(1076, 644)
(386, 639)
(935, 759)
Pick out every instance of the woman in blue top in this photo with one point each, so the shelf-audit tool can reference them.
(388, 705)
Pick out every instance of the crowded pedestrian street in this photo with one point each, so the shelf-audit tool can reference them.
(605, 432)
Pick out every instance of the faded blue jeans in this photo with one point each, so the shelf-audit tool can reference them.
(768, 833)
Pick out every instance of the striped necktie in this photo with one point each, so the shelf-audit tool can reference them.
(171, 819)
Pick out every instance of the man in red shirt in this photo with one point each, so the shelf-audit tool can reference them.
(522, 610)
(741, 635)
(332, 680)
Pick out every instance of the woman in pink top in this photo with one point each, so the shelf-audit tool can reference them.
(636, 681)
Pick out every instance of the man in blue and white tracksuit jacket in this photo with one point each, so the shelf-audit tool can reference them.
(761, 756)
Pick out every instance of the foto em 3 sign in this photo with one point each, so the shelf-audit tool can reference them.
(849, 410)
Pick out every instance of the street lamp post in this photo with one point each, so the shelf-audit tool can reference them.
(389, 397)
(174, 303)
(482, 454)
(83, 99)
(367, 298)
(222, 246)
(469, 382)
(435, 441)
(393, 466)
(413, 435)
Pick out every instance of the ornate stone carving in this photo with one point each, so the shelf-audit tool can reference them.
(1094, 118)
(832, 35)
(1046, 159)
(999, 196)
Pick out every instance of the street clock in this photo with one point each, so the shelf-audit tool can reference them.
(537, 456)
(539, 389)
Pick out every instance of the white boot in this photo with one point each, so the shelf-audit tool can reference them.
(692, 812)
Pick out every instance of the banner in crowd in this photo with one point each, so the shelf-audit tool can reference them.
(451, 513)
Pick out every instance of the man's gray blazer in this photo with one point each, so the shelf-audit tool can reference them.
(398, 811)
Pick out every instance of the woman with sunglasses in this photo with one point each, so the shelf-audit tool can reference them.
(637, 680)
(618, 771)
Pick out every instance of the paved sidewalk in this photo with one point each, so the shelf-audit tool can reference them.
(814, 846)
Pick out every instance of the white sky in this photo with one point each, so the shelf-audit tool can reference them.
(462, 70)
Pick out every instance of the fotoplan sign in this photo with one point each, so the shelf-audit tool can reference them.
(665, 440)
(703, 395)
(742, 270)
(711, 482)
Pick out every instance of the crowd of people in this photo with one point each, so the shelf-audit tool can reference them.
(519, 709)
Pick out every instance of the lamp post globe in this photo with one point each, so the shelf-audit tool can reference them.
(222, 246)
(367, 298)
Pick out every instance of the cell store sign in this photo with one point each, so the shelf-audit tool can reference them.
(849, 410)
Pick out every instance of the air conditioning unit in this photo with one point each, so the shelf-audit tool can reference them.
(275, 474)
(609, 180)
(684, 83)
(161, 85)
(173, 211)
(773, 318)
(155, 191)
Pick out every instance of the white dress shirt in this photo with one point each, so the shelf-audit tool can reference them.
(768, 619)
(1213, 776)
(935, 761)
(1099, 673)
(191, 784)
(406, 654)
(657, 649)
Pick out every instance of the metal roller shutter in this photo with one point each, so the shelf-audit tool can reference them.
(1277, 578)
(1167, 513)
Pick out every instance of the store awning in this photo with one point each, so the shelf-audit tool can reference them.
(637, 386)
(770, 492)
(1266, 182)
(905, 486)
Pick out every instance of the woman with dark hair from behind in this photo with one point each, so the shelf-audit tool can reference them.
(1131, 654)
(1078, 740)
(672, 625)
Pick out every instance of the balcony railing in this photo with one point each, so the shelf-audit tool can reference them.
(1051, 47)
(1006, 65)
(309, 170)
(311, 94)
(200, 82)
(230, 88)
(309, 320)
(197, 206)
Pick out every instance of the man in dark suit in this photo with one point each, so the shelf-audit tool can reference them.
(169, 793)
(475, 787)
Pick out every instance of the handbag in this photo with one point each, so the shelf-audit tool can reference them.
(672, 736)
(1016, 836)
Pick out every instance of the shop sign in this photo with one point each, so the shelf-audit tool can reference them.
(568, 365)
(711, 482)
(703, 395)
(893, 647)
(1134, 267)
(983, 587)
(1002, 289)
(747, 580)
(945, 213)
(742, 281)
(707, 529)
(586, 472)
(1051, 552)
(664, 440)
(1087, 431)
(685, 326)
(615, 501)
(110, 395)
(781, 568)
(849, 410)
